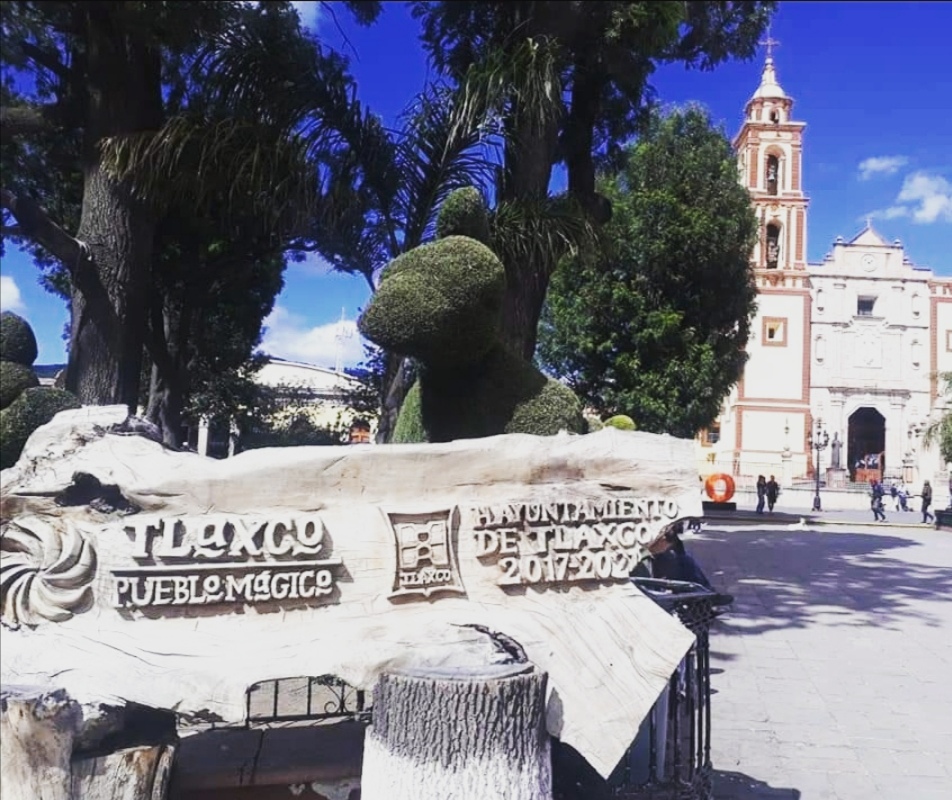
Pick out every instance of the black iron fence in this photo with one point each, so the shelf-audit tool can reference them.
(325, 698)
(670, 758)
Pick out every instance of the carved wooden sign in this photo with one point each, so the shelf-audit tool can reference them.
(214, 575)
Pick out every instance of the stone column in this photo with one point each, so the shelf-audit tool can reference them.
(459, 734)
(786, 468)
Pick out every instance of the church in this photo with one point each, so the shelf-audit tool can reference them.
(845, 353)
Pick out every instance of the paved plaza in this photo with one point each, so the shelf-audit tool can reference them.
(833, 673)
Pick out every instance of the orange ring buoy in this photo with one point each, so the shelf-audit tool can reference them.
(719, 487)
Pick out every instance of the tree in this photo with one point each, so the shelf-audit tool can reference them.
(582, 99)
(226, 182)
(653, 323)
(939, 432)
(96, 69)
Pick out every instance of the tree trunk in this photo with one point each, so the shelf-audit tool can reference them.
(139, 773)
(123, 97)
(37, 730)
(396, 384)
(166, 403)
(456, 735)
(530, 154)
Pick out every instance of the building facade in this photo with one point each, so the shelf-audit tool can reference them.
(853, 345)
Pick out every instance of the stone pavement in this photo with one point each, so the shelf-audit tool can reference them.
(833, 672)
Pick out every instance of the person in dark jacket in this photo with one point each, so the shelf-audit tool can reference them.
(876, 493)
(927, 516)
(773, 491)
(761, 493)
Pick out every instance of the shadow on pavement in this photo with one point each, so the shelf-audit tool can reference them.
(738, 786)
(785, 579)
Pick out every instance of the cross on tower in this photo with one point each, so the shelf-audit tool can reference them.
(770, 43)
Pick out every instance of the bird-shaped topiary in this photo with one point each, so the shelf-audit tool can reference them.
(24, 404)
(441, 304)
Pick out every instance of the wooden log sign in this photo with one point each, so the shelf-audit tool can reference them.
(131, 573)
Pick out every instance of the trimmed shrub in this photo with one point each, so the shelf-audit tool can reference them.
(17, 342)
(33, 408)
(439, 302)
(464, 213)
(14, 379)
(622, 422)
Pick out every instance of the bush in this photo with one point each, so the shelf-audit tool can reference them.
(439, 303)
(17, 342)
(33, 408)
(14, 379)
(622, 422)
(464, 213)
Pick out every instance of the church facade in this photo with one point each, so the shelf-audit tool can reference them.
(850, 348)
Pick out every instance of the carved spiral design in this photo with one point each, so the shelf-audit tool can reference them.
(45, 573)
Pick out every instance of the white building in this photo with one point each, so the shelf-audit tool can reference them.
(853, 344)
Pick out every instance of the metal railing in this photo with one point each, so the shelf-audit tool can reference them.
(325, 698)
(670, 758)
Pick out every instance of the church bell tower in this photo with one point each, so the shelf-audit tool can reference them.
(769, 151)
(767, 418)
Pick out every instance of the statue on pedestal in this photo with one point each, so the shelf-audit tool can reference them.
(836, 448)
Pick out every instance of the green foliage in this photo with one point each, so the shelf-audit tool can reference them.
(438, 303)
(17, 341)
(622, 422)
(501, 394)
(940, 431)
(654, 321)
(299, 431)
(14, 379)
(409, 428)
(33, 408)
(464, 213)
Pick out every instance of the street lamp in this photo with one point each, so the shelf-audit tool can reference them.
(818, 440)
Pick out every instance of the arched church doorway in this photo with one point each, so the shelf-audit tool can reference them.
(866, 445)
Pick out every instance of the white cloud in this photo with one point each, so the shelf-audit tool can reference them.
(929, 197)
(288, 336)
(881, 165)
(924, 198)
(10, 297)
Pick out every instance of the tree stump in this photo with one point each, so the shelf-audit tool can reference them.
(137, 773)
(37, 729)
(459, 734)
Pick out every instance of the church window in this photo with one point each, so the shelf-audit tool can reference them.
(948, 341)
(774, 332)
(711, 435)
(916, 353)
(865, 306)
(773, 174)
(775, 117)
(773, 245)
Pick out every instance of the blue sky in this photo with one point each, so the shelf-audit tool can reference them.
(872, 80)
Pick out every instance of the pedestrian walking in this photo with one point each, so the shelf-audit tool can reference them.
(772, 490)
(877, 492)
(761, 493)
(927, 516)
(894, 494)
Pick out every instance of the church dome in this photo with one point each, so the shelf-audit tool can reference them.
(769, 89)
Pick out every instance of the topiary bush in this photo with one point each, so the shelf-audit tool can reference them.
(14, 379)
(17, 342)
(441, 304)
(622, 422)
(464, 213)
(33, 408)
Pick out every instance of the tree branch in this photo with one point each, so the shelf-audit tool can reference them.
(25, 120)
(36, 224)
(45, 59)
